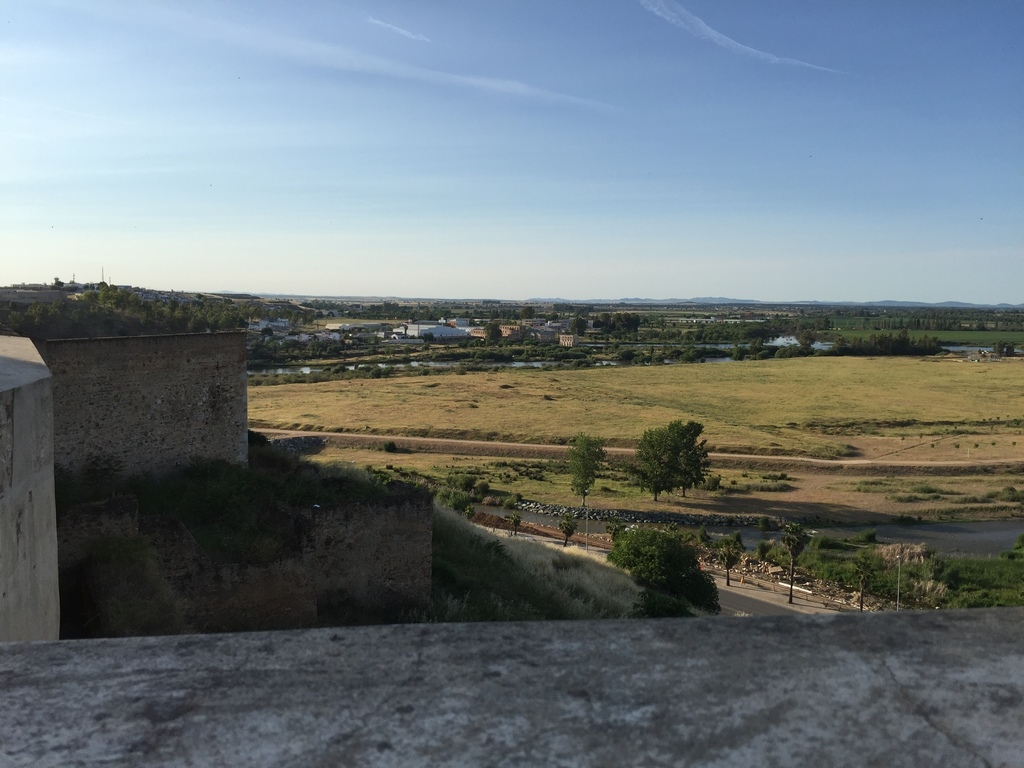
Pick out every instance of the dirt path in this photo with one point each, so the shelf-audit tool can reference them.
(540, 451)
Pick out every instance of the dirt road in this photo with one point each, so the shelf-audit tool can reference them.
(540, 451)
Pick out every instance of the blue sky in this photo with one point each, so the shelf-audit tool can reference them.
(775, 150)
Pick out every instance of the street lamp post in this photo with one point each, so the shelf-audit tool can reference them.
(899, 573)
(586, 523)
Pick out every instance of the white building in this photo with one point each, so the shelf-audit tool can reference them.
(419, 330)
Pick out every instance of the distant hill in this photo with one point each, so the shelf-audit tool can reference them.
(724, 300)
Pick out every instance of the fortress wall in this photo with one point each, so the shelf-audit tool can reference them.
(144, 404)
(372, 555)
(29, 599)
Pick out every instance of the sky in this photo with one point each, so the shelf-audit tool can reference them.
(778, 150)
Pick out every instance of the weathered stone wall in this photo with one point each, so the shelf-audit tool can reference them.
(145, 404)
(229, 597)
(374, 555)
(29, 599)
(352, 563)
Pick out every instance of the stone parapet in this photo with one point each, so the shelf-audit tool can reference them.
(909, 689)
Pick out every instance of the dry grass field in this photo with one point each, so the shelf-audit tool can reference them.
(898, 410)
(808, 493)
(905, 408)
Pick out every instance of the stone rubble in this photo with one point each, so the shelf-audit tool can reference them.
(631, 516)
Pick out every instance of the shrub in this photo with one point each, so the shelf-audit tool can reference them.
(652, 604)
(462, 482)
(870, 536)
(455, 499)
(713, 483)
(762, 548)
(827, 542)
(660, 561)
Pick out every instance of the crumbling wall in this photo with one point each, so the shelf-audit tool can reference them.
(29, 598)
(367, 561)
(146, 404)
(375, 554)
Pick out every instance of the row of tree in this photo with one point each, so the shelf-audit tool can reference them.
(667, 458)
(113, 311)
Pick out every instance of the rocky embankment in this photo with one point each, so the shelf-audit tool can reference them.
(631, 516)
(304, 444)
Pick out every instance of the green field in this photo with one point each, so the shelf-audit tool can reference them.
(824, 407)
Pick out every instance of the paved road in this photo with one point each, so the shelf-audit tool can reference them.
(751, 600)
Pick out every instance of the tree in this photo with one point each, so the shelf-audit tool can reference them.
(493, 331)
(615, 527)
(578, 325)
(865, 566)
(670, 457)
(585, 457)
(729, 552)
(567, 525)
(693, 456)
(515, 520)
(660, 561)
(794, 540)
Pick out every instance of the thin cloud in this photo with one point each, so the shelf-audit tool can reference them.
(678, 16)
(315, 53)
(399, 30)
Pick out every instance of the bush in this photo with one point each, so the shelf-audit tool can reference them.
(455, 499)
(660, 561)
(763, 547)
(657, 605)
(461, 482)
(827, 542)
(870, 536)
(713, 483)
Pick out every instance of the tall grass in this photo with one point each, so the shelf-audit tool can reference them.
(478, 576)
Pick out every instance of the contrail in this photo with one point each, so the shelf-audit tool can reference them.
(678, 16)
(312, 52)
(399, 30)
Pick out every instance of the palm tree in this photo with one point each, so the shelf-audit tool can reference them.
(794, 539)
(865, 566)
(515, 520)
(729, 553)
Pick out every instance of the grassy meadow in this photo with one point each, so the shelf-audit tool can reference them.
(820, 407)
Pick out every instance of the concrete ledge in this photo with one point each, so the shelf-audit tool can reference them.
(29, 599)
(909, 689)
